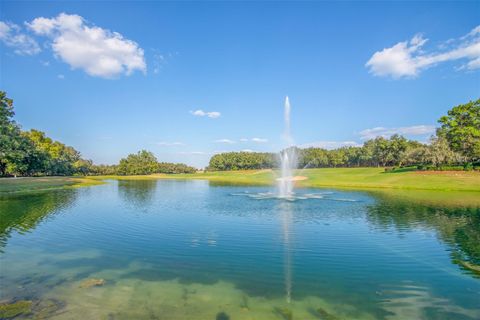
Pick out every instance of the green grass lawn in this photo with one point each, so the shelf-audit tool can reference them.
(27, 184)
(351, 178)
(359, 178)
(456, 188)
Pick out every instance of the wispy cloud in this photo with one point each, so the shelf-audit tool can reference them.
(329, 145)
(97, 51)
(209, 114)
(169, 144)
(61, 76)
(407, 59)
(12, 36)
(256, 140)
(160, 60)
(387, 132)
(227, 141)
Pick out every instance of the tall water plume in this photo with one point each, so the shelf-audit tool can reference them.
(288, 157)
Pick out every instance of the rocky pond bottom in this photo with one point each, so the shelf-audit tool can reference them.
(191, 250)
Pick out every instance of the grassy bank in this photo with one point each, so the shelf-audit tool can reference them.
(27, 184)
(349, 178)
(456, 188)
(459, 188)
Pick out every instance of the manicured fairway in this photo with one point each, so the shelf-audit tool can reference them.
(455, 187)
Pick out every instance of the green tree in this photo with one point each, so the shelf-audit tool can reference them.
(16, 151)
(439, 152)
(54, 157)
(242, 161)
(143, 162)
(461, 128)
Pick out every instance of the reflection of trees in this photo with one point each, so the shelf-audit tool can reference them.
(24, 212)
(286, 209)
(139, 193)
(459, 227)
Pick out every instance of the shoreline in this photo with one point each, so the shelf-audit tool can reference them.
(454, 189)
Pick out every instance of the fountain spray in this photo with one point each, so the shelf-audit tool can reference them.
(288, 158)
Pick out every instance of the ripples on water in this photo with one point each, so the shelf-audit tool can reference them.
(190, 250)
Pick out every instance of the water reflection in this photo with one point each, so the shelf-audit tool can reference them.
(138, 194)
(202, 253)
(285, 209)
(23, 212)
(457, 227)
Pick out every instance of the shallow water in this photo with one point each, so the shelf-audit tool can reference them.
(192, 250)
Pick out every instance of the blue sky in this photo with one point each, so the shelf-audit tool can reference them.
(188, 79)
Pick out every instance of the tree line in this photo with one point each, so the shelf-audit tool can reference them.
(32, 153)
(456, 145)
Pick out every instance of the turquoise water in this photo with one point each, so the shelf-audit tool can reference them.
(193, 250)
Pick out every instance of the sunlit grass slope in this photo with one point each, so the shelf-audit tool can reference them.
(351, 178)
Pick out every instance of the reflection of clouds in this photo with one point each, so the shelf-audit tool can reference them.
(209, 238)
(408, 301)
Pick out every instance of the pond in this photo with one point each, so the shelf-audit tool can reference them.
(196, 250)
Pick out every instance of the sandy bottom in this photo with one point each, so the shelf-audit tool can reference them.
(58, 293)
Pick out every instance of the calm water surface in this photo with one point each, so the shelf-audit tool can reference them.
(193, 250)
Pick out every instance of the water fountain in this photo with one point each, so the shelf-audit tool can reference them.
(288, 158)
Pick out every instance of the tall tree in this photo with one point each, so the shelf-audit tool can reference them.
(461, 128)
(15, 149)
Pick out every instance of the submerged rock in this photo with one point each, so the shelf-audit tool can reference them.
(10, 310)
(222, 316)
(47, 308)
(325, 315)
(285, 313)
(92, 283)
(244, 304)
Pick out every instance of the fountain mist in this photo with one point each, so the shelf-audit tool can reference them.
(288, 158)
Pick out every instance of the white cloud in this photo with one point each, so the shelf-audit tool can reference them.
(11, 35)
(195, 153)
(210, 114)
(99, 52)
(227, 141)
(407, 59)
(329, 145)
(247, 150)
(61, 76)
(387, 132)
(170, 144)
(259, 140)
(256, 140)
